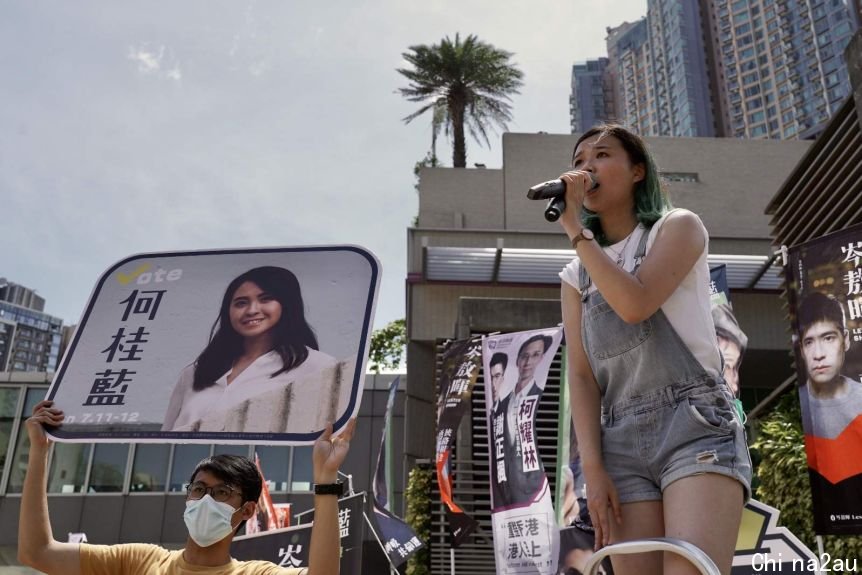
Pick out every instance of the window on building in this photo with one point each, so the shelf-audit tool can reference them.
(68, 467)
(186, 458)
(109, 468)
(150, 468)
(8, 405)
(759, 130)
(680, 176)
(754, 104)
(22, 443)
(231, 450)
(302, 472)
(275, 464)
(751, 91)
(756, 117)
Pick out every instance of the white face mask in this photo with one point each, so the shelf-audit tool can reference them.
(208, 520)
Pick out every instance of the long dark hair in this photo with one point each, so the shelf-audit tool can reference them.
(291, 336)
(651, 200)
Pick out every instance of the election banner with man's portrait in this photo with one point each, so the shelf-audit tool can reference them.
(526, 534)
(263, 345)
(824, 286)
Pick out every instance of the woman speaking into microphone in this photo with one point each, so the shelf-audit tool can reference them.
(663, 452)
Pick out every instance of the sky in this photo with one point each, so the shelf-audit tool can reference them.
(136, 127)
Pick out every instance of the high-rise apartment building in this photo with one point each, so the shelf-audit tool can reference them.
(658, 70)
(592, 96)
(736, 68)
(682, 89)
(780, 63)
(29, 338)
(630, 71)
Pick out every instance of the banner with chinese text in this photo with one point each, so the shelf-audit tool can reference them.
(461, 362)
(526, 534)
(399, 540)
(289, 547)
(262, 345)
(824, 287)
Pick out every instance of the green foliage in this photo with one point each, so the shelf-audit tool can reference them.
(419, 518)
(387, 346)
(465, 85)
(783, 474)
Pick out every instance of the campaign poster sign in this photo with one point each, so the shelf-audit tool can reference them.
(824, 287)
(263, 345)
(290, 547)
(526, 534)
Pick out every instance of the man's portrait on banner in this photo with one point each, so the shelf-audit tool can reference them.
(830, 400)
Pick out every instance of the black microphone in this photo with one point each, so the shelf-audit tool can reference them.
(554, 188)
(555, 191)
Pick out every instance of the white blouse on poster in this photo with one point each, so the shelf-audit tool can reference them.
(301, 400)
(687, 309)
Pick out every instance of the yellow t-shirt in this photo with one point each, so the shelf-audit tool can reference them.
(144, 559)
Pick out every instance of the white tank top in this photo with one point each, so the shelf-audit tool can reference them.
(688, 307)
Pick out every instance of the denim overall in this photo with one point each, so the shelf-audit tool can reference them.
(663, 416)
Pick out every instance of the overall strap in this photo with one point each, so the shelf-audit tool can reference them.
(641, 251)
(584, 276)
(584, 280)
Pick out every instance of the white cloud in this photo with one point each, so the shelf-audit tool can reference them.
(148, 61)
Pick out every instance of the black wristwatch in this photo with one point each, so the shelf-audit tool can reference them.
(336, 489)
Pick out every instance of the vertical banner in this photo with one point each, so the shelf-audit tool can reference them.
(461, 362)
(290, 547)
(526, 535)
(732, 341)
(824, 286)
(399, 540)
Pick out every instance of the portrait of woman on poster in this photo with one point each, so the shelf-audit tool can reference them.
(260, 344)
(661, 445)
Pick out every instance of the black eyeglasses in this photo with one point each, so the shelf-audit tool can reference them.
(220, 492)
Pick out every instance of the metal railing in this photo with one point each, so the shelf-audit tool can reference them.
(691, 552)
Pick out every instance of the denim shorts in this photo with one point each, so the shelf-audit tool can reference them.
(651, 440)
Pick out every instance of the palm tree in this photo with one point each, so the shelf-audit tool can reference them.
(464, 84)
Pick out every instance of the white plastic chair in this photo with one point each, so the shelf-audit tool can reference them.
(691, 552)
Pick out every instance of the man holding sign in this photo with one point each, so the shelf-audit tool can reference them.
(221, 496)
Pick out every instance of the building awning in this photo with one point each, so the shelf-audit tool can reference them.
(541, 266)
